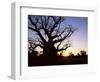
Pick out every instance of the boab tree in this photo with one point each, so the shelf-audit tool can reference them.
(51, 33)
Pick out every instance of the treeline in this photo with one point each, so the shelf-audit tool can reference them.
(81, 53)
(41, 60)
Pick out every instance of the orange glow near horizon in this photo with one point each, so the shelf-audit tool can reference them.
(67, 52)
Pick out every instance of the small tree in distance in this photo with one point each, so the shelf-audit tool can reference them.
(83, 53)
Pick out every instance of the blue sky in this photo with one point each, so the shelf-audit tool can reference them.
(80, 37)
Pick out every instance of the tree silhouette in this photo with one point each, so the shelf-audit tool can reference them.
(78, 54)
(71, 54)
(83, 53)
(49, 33)
(31, 48)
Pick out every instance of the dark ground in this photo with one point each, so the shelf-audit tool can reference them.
(59, 60)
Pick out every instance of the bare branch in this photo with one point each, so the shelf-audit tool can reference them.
(36, 29)
(67, 45)
(56, 22)
(59, 45)
(32, 29)
(50, 32)
(68, 34)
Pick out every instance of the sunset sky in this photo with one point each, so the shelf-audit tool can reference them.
(80, 37)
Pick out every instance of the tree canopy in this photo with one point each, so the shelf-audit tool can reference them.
(50, 33)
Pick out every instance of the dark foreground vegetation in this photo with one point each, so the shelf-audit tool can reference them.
(58, 60)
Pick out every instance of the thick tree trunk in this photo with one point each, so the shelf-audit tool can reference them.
(50, 53)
